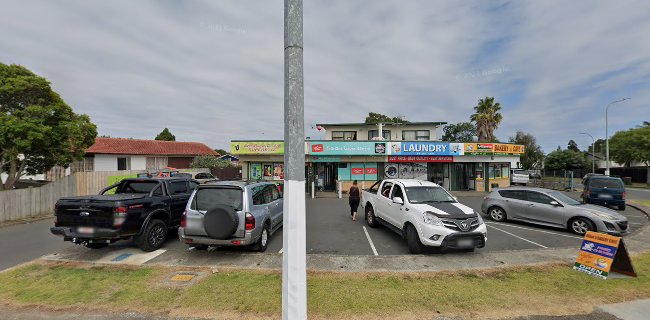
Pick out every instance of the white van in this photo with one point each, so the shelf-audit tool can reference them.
(519, 176)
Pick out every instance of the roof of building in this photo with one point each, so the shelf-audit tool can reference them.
(228, 155)
(149, 147)
(387, 124)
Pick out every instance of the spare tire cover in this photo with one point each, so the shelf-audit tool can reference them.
(221, 222)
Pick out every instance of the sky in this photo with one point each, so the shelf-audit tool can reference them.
(213, 71)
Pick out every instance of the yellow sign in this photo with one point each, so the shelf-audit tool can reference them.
(493, 148)
(257, 147)
(600, 254)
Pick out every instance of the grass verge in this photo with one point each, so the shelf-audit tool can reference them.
(552, 289)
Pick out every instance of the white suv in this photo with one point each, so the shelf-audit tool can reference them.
(425, 214)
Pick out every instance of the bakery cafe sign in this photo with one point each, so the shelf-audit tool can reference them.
(601, 255)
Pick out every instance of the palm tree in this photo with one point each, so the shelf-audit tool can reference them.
(486, 118)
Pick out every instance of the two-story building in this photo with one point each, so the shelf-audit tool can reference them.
(369, 152)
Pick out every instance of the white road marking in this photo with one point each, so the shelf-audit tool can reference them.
(281, 250)
(636, 223)
(516, 236)
(543, 231)
(372, 245)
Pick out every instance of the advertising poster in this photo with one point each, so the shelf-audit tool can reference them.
(257, 147)
(256, 171)
(391, 171)
(420, 159)
(601, 253)
(371, 171)
(357, 171)
(267, 171)
(413, 171)
(278, 171)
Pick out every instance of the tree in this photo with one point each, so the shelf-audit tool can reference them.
(38, 130)
(374, 118)
(486, 118)
(565, 160)
(599, 145)
(533, 156)
(166, 135)
(460, 132)
(210, 162)
(221, 152)
(632, 145)
(572, 145)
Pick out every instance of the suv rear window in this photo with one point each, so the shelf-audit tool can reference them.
(606, 183)
(207, 198)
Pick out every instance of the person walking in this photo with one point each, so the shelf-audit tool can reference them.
(355, 198)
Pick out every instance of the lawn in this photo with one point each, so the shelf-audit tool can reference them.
(552, 289)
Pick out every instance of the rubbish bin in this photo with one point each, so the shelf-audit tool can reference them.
(627, 181)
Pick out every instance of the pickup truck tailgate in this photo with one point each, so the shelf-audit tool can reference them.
(89, 211)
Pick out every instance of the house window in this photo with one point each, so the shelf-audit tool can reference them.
(122, 164)
(375, 133)
(344, 135)
(415, 135)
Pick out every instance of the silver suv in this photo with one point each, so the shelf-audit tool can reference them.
(232, 213)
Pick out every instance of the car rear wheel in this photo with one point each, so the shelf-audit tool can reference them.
(370, 217)
(263, 242)
(413, 240)
(153, 236)
(621, 207)
(580, 226)
(497, 214)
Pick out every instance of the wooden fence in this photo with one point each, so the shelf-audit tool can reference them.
(34, 202)
(39, 201)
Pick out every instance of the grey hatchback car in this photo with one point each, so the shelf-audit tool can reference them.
(232, 213)
(551, 208)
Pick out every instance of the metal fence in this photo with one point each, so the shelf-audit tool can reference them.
(559, 179)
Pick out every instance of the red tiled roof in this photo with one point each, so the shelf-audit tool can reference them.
(149, 147)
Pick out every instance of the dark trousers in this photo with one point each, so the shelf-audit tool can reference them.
(354, 205)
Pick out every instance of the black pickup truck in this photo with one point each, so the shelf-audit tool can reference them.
(143, 209)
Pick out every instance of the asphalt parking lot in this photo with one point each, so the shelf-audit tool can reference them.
(329, 231)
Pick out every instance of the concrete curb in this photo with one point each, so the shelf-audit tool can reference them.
(641, 208)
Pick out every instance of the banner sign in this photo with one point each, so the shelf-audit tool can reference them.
(493, 149)
(365, 148)
(600, 254)
(257, 147)
(426, 148)
(420, 159)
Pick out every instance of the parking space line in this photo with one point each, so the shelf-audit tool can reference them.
(516, 236)
(531, 229)
(372, 245)
(281, 250)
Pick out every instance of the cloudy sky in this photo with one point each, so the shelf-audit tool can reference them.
(212, 70)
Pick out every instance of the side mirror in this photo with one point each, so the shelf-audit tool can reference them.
(554, 203)
(398, 200)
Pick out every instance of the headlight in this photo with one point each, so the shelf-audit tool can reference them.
(430, 218)
(480, 219)
(603, 215)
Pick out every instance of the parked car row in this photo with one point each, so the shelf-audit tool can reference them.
(246, 214)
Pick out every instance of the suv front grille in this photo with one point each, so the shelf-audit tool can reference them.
(463, 225)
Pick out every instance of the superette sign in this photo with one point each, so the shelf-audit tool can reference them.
(425, 148)
(365, 148)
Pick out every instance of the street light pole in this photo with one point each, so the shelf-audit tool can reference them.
(607, 134)
(294, 263)
(593, 150)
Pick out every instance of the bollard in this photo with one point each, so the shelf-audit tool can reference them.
(313, 189)
(340, 190)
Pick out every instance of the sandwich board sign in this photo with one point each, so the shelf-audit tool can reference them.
(602, 254)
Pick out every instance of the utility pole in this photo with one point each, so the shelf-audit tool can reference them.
(294, 259)
(593, 151)
(607, 134)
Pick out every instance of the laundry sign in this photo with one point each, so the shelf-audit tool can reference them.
(602, 254)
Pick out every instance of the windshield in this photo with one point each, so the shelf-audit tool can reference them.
(207, 198)
(137, 187)
(606, 183)
(428, 194)
(564, 198)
